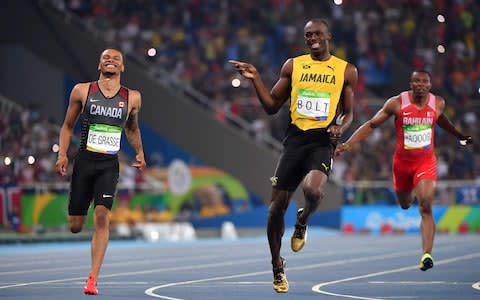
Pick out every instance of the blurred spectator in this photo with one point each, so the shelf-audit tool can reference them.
(193, 44)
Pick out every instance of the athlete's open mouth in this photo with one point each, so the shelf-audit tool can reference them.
(315, 45)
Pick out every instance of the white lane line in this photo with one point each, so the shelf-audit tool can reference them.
(151, 291)
(143, 272)
(107, 264)
(151, 271)
(318, 288)
(418, 282)
(402, 297)
(40, 282)
(125, 284)
(160, 260)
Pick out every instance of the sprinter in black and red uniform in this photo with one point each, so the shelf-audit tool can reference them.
(414, 164)
(107, 108)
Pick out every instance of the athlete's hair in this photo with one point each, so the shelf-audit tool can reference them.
(423, 71)
(320, 20)
(113, 48)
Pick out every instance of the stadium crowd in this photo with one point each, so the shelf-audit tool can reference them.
(194, 39)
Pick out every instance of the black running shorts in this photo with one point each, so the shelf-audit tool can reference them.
(94, 177)
(297, 160)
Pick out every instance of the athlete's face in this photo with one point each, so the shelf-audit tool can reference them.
(111, 62)
(420, 83)
(317, 37)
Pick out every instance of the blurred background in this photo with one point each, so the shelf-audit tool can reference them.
(210, 148)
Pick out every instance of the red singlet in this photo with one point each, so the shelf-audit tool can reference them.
(414, 158)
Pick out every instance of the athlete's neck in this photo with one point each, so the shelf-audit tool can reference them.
(419, 100)
(322, 56)
(109, 83)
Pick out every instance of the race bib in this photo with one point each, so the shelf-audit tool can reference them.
(313, 104)
(417, 136)
(104, 138)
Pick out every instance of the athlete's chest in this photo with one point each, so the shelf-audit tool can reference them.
(412, 115)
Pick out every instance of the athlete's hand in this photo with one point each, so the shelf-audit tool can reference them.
(335, 133)
(245, 69)
(139, 161)
(61, 165)
(466, 139)
(341, 148)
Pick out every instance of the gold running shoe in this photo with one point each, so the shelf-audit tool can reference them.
(299, 236)
(426, 262)
(280, 283)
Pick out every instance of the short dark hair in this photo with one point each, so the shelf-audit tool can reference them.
(321, 20)
(423, 71)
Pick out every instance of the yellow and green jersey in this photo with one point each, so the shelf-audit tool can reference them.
(316, 90)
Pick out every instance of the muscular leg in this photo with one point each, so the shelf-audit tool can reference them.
(76, 223)
(313, 186)
(276, 224)
(99, 238)
(405, 199)
(425, 191)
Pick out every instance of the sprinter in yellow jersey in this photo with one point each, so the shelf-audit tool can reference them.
(321, 88)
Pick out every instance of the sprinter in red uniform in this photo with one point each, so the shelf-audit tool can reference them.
(414, 164)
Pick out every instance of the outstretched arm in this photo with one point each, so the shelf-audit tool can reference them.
(132, 131)
(391, 107)
(272, 100)
(445, 123)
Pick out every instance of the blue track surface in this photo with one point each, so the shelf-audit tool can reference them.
(331, 266)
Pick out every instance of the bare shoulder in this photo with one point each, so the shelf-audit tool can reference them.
(287, 68)
(392, 105)
(394, 100)
(351, 74)
(351, 68)
(82, 85)
(134, 98)
(439, 100)
(80, 91)
(440, 103)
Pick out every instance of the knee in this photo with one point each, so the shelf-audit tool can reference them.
(101, 219)
(405, 200)
(313, 195)
(75, 224)
(75, 228)
(425, 207)
(277, 209)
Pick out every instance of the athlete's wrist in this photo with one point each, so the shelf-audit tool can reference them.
(346, 146)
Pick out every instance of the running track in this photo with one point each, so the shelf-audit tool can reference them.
(331, 266)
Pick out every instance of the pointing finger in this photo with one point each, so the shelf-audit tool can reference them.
(235, 62)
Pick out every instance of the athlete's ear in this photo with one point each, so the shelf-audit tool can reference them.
(123, 68)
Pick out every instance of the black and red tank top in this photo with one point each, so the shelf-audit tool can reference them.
(103, 120)
(415, 128)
